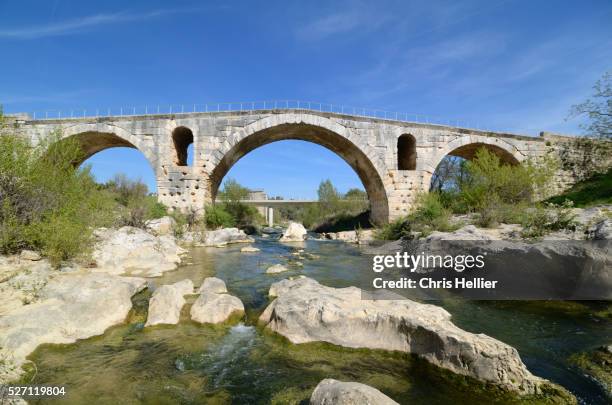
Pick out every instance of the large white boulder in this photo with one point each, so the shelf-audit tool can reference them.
(214, 305)
(71, 307)
(213, 285)
(334, 392)
(295, 232)
(306, 311)
(161, 226)
(221, 237)
(134, 251)
(166, 303)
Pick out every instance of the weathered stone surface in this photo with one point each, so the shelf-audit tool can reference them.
(306, 311)
(276, 268)
(21, 281)
(603, 230)
(393, 175)
(468, 232)
(334, 392)
(161, 226)
(249, 249)
(213, 285)
(134, 251)
(295, 232)
(214, 305)
(362, 236)
(219, 237)
(30, 255)
(71, 307)
(166, 303)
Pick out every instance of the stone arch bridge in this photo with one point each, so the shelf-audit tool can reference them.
(395, 160)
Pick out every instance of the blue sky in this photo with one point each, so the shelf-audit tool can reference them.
(509, 65)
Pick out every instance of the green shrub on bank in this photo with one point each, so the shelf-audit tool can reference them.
(500, 192)
(546, 218)
(429, 215)
(135, 205)
(217, 217)
(48, 204)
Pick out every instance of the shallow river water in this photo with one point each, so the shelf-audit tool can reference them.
(241, 363)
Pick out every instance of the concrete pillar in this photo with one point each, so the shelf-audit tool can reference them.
(270, 216)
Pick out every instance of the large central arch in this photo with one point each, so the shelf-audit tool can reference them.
(262, 133)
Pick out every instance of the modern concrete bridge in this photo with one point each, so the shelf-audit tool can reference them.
(394, 159)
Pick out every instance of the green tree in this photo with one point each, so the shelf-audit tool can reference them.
(328, 197)
(47, 203)
(231, 196)
(356, 194)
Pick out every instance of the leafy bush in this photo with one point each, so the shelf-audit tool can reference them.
(429, 215)
(217, 217)
(497, 191)
(47, 203)
(543, 219)
(136, 206)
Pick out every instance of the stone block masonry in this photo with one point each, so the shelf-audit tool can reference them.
(395, 160)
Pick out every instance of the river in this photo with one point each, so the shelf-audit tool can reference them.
(241, 363)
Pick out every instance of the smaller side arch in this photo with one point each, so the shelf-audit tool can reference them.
(182, 137)
(406, 152)
(466, 147)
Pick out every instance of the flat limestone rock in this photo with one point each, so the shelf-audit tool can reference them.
(166, 303)
(249, 249)
(133, 251)
(306, 311)
(71, 307)
(213, 285)
(334, 392)
(214, 305)
(223, 237)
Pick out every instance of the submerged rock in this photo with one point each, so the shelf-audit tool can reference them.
(133, 251)
(277, 268)
(166, 303)
(334, 392)
(295, 232)
(214, 305)
(71, 307)
(306, 311)
(249, 249)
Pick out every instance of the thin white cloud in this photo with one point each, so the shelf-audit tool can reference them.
(352, 17)
(80, 24)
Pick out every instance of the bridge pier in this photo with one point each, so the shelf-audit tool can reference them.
(270, 216)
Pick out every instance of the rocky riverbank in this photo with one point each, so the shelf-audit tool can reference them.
(39, 304)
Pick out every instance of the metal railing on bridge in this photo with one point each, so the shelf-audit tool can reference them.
(250, 106)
